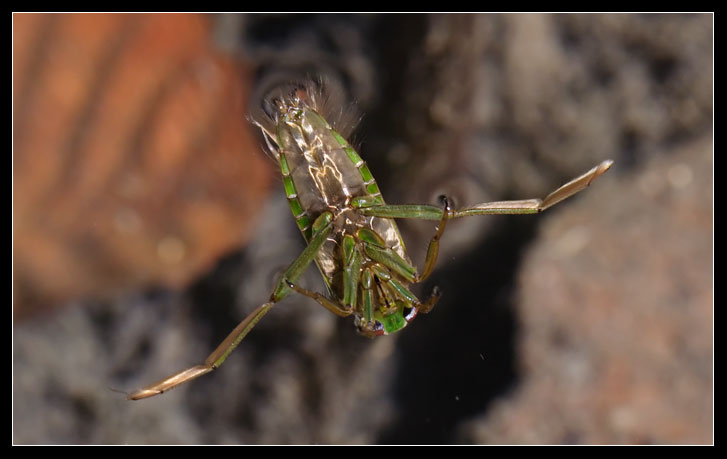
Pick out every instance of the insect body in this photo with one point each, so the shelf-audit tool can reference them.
(349, 230)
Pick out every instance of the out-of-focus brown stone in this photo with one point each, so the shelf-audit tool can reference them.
(133, 162)
(617, 315)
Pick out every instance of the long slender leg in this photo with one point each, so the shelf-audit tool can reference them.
(369, 207)
(526, 206)
(323, 229)
(213, 361)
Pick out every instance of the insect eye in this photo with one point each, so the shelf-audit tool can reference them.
(273, 107)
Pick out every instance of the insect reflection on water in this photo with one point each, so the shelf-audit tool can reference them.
(349, 230)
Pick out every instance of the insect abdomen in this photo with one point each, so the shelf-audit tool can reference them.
(321, 171)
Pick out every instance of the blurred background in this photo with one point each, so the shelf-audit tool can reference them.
(147, 222)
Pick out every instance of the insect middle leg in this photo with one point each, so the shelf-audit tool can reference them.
(421, 212)
(333, 306)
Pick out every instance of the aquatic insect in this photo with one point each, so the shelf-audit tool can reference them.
(349, 230)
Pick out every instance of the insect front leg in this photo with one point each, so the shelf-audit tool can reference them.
(375, 248)
(368, 207)
(322, 229)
